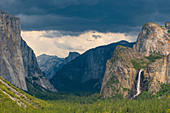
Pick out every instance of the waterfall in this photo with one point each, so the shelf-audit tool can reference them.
(138, 84)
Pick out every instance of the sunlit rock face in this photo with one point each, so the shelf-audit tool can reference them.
(159, 72)
(123, 68)
(153, 39)
(11, 62)
(17, 59)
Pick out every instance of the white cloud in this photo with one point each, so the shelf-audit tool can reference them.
(61, 45)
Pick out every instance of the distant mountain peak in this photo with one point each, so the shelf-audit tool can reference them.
(73, 53)
(45, 55)
(51, 64)
(123, 42)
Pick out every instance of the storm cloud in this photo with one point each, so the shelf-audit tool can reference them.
(82, 15)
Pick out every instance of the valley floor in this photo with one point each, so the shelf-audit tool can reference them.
(144, 104)
(81, 102)
(111, 106)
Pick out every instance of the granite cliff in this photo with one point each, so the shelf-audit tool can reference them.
(120, 73)
(151, 53)
(153, 38)
(18, 63)
(51, 64)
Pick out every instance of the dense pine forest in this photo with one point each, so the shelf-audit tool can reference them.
(88, 103)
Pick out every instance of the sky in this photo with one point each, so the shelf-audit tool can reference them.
(60, 26)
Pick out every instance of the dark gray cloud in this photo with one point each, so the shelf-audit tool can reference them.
(59, 34)
(82, 15)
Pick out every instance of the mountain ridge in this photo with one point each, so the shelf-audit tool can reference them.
(86, 71)
(51, 64)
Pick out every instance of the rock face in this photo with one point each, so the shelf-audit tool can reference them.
(85, 73)
(158, 72)
(122, 69)
(51, 64)
(120, 73)
(70, 57)
(17, 59)
(153, 38)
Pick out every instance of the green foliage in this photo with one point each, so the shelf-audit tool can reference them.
(17, 94)
(9, 106)
(111, 105)
(168, 30)
(125, 89)
(153, 57)
(92, 104)
(142, 63)
(165, 91)
(37, 92)
(139, 64)
(113, 80)
(79, 103)
(17, 89)
(145, 95)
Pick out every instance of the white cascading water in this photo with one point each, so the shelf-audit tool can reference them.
(138, 84)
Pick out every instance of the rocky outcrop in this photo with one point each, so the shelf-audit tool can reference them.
(148, 54)
(85, 73)
(17, 59)
(51, 64)
(153, 39)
